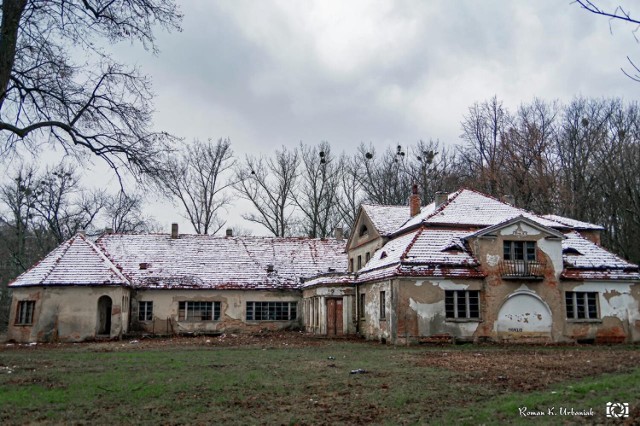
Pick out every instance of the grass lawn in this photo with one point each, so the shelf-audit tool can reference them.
(308, 381)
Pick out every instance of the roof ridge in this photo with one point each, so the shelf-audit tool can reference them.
(404, 254)
(108, 262)
(456, 194)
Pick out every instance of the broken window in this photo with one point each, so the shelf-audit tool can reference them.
(145, 311)
(581, 305)
(519, 250)
(199, 311)
(361, 306)
(363, 231)
(24, 313)
(462, 304)
(383, 305)
(272, 311)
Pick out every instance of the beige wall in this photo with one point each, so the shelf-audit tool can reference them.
(232, 310)
(68, 313)
(371, 324)
(361, 245)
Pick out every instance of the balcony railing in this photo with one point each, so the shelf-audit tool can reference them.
(522, 269)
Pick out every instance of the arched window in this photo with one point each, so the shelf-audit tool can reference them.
(363, 230)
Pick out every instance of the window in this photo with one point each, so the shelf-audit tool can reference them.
(145, 311)
(363, 231)
(272, 311)
(199, 311)
(383, 305)
(359, 262)
(581, 305)
(361, 306)
(351, 265)
(367, 256)
(24, 314)
(462, 304)
(519, 250)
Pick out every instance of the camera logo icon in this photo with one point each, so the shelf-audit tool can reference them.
(617, 409)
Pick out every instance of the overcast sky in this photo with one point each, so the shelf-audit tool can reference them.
(271, 73)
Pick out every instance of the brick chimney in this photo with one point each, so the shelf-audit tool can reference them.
(339, 233)
(414, 201)
(229, 232)
(174, 231)
(441, 198)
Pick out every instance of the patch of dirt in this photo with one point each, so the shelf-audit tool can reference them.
(529, 369)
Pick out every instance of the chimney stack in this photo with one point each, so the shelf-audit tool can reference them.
(509, 199)
(229, 232)
(414, 201)
(339, 233)
(269, 268)
(441, 198)
(174, 231)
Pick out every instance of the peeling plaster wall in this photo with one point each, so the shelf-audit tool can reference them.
(421, 309)
(68, 313)
(314, 308)
(232, 310)
(371, 325)
(619, 309)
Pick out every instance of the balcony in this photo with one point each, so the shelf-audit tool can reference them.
(521, 270)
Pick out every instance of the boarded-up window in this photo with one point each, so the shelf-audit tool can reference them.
(24, 313)
(272, 311)
(199, 311)
(462, 304)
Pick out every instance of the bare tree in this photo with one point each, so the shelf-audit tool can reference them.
(198, 179)
(269, 185)
(350, 190)
(124, 214)
(385, 178)
(316, 194)
(482, 130)
(99, 107)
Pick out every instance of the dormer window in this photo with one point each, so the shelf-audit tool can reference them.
(519, 250)
(363, 231)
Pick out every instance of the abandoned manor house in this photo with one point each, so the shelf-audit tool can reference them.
(466, 267)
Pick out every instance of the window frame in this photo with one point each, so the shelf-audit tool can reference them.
(383, 305)
(275, 310)
(145, 310)
(467, 300)
(185, 307)
(584, 306)
(25, 312)
(519, 250)
(361, 302)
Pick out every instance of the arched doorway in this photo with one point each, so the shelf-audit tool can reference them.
(104, 316)
(524, 315)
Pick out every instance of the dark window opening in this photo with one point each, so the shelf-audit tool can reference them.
(199, 311)
(462, 304)
(363, 231)
(383, 304)
(272, 311)
(581, 305)
(361, 306)
(24, 313)
(145, 311)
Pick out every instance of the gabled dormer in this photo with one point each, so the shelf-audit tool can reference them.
(518, 249)
(372, 228)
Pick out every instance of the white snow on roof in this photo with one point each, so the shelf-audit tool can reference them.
(467, 207)
(77, 261)
(591, 256)
(573, 223)
(386, 219)
(203, 261)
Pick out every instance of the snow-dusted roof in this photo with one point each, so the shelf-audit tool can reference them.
(329, 280)
(424, 252)
(586, 260)
(202, 261)
(386, 219)
(77, 261)
(572, 223)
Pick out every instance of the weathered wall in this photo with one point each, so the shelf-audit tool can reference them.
(421, 309)
(314, 308)
(371, 325)
(360, 245)
(619, 308)
(68, 313)
(232, 310)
